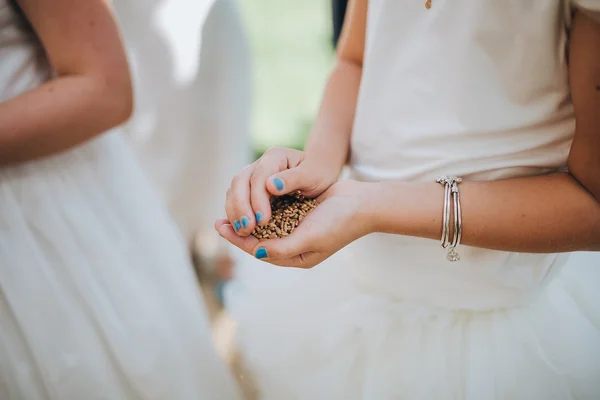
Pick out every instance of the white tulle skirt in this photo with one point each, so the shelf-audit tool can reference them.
(98, 299)
(320, 334)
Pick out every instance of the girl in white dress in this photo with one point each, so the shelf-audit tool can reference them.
(97, 297)
(480, 90)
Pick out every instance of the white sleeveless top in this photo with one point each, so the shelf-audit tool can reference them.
(451, 91)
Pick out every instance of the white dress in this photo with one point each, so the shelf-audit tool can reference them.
(97, 297)
(476, 89)
(191, 126)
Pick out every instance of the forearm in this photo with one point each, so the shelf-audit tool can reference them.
(60, 114)
(544, 214)
(329, 140)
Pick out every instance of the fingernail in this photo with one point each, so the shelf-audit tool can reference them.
(278, 183)
(259, 217)
(236, 225)
(261, 253)
(245, 221)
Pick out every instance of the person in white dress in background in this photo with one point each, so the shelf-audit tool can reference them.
(191, 126)
(98, 299)
(480, 90)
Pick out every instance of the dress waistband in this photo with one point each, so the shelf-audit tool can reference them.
(414, 269)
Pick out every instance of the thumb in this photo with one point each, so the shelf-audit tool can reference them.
(287, 248)
(290, 180)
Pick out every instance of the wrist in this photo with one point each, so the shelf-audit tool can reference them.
(369, 206)
(372, 206)
(388, 208)
(328, 167)
(406, 208)
(328, 155)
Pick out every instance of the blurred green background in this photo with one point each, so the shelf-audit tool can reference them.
(291, 43)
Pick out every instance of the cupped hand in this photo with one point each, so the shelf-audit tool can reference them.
(340, 218)
(279, 171)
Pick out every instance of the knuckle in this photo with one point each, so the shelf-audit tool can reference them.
(248, 170)
(277, 253)
(256, 181)
(229, 212)
(229, 204)
(269, 153)
(236, 203)
(306, 262)
(234, 181)
(262, 167)
(274, 150)
(283, 255)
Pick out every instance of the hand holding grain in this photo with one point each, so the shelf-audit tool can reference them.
(340, 216)
(278, 172)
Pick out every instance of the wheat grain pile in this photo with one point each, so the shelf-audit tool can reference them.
(286, 213)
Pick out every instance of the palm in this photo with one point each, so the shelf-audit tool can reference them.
(329, 227)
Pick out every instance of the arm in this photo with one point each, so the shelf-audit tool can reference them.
(553, 213)
(281, 171)
(92, 90)
(329, 140)
(545, 214)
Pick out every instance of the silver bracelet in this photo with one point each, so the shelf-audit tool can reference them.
(451, 201)
(446, 182)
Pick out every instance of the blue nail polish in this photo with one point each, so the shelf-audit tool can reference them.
(278, 183)
(259, 217)
(236, 225)
(245, 221)
(261, 253)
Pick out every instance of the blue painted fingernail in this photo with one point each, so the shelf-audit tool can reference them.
(261, 253)
(259, 217)
(245, 221)
(236, 225)
(278, 183)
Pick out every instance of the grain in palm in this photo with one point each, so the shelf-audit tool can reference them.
(286, 213)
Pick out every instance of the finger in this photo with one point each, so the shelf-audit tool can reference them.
(290, 180)
(247, 244)
(303, 261)
(220, 222)
(273, 161)
(229, 209)
(289, 247)
(239, 210)
(260, 198)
